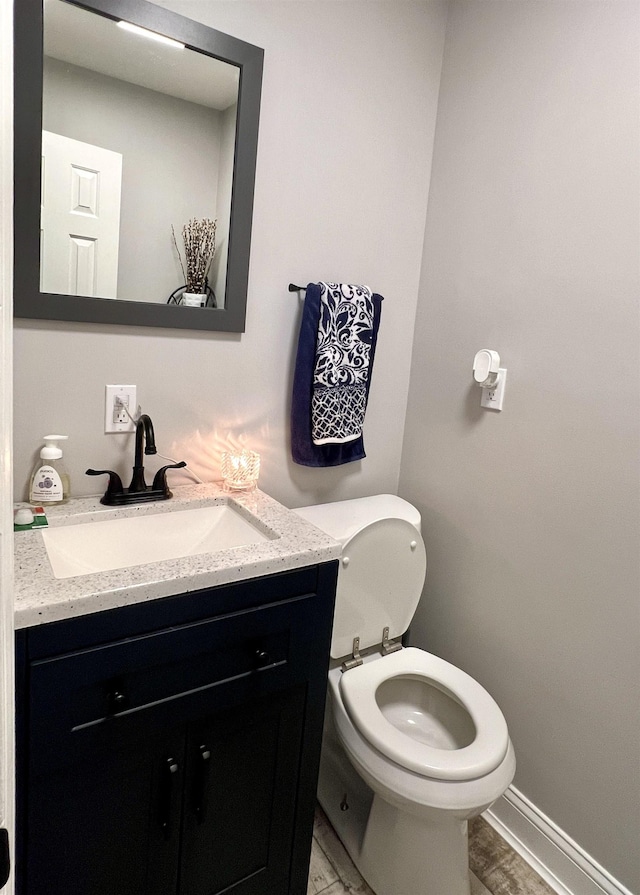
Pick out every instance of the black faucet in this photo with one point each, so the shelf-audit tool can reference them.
(146, 437)
(138, 491)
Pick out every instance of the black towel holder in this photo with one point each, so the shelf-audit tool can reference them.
(294, 288)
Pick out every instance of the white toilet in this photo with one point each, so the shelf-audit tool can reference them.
(412, 747)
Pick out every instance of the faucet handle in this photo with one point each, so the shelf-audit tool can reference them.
(160, 478)
(115, 482)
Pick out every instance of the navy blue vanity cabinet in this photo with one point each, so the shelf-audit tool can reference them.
(172, 747)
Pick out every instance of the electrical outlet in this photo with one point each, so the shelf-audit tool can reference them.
(121, 409)
(118, 400)
(493, 397)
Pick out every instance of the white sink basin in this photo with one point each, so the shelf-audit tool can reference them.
(119, 543)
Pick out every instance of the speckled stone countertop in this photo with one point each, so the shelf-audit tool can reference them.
(41, 598)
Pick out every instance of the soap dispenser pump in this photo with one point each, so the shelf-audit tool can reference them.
(50, 482)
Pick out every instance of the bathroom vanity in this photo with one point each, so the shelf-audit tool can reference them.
(168, 742)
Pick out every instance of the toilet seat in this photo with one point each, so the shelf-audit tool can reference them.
(380, 581)
(358, 688)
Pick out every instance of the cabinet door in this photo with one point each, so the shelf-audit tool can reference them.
(176, 753)
(242, 778)
(107, 820)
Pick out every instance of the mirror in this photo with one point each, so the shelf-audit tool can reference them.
(121, 141)
(125, 121)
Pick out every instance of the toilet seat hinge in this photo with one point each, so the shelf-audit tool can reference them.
(356, 659)
(389, 646)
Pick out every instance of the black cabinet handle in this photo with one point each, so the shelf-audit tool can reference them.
(262, 657)
(202, 774)
(169, 770)
(117, 701)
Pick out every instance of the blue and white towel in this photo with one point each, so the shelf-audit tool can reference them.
(341, 370)
(333, 373)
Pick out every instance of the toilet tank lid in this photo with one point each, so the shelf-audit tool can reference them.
(343, 518)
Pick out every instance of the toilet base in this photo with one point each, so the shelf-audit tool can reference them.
(397, 853)
(344, 796)
(403, 854)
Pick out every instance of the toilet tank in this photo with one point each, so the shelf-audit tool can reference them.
(382, 567)
(343, 518)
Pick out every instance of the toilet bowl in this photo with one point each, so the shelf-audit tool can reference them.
(412, 746)
(445, 780)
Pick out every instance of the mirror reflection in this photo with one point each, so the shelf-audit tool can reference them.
(138, 140)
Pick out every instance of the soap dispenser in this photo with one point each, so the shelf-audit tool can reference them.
(50, 482)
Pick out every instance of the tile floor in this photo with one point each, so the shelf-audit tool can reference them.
(500, 868)
(495, 868)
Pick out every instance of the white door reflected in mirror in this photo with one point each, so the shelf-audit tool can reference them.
(80, 218)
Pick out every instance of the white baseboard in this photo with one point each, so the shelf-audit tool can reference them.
(560, 861)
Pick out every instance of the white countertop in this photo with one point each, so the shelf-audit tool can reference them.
(42, 598)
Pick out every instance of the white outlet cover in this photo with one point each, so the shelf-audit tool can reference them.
(111, 391)
(493, 398)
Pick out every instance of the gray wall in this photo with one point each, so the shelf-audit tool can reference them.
(344, 155)
(531, 515)
(167, 178)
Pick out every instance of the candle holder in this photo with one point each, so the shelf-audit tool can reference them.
(240, 470)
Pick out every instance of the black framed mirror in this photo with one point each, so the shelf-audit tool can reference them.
(178, 126)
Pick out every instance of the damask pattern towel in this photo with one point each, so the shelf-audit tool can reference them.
(332, 377)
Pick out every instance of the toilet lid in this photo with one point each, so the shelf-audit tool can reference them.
(380, 581)
(358, 688)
